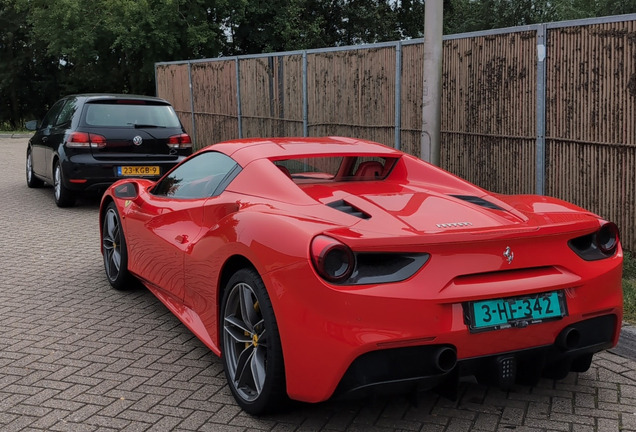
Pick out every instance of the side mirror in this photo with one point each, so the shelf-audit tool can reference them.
(31, 125)
(128, 191)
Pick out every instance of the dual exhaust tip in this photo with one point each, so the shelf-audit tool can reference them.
(568, 339)
(445, 358)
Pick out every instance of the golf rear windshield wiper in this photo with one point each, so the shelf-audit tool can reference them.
(146, 126)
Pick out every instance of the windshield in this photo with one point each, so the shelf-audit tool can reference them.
(129, 115)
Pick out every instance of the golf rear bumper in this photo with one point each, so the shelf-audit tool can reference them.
(85, 173)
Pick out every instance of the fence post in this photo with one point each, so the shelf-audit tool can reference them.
(281, 96)
(398, 95)
(156, 83)
(541, 94)
(305, 102)
(238, 99)
(194, 129)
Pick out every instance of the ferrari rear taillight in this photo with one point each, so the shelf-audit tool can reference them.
(597, 245)
(334, 261)
(85, 140)
(607, 238)
(180, 141)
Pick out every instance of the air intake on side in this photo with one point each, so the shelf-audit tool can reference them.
(478, 201)
(345, 207)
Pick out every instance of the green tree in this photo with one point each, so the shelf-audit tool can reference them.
(112, 45)
(28, 76)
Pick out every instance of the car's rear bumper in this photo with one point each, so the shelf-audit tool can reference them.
(325, 330)
(82, 172)
(400, 368)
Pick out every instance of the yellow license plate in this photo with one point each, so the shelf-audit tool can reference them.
(138, 171)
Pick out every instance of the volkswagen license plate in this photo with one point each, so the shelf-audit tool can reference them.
(516, 311)
(125, 171)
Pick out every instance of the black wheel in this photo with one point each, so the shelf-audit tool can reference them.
(32, 180)
(251, 347)
(64, 197)
(114, 250)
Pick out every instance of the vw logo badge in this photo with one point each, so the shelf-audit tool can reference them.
(509, 255)
(137, 140)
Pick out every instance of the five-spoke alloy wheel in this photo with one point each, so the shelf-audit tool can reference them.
(64, 197)
(252, 353)
(114, 249)
(32, 180)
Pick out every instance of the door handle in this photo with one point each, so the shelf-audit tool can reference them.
(181, 239)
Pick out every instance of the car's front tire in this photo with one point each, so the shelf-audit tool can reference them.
(64, 197)
(32, 180)
(114, 250)
(250, 343)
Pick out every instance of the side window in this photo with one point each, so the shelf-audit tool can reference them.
(51, 116)
(66, 114)
(199, 177)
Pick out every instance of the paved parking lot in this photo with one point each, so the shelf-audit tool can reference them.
(76, 355)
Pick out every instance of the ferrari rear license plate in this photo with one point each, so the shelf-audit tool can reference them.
(138, 171)
(516, 311)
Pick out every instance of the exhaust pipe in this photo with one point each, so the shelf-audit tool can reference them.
(444, 359)
(568, 339)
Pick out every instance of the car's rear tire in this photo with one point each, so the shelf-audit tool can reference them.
(64, 197)
(115, 251)
(250, 343)
(32, 180)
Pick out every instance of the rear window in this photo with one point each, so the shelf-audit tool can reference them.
(310, 168)
(129, 115)
(330, 168)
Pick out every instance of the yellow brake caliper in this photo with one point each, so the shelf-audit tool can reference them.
(254, 342)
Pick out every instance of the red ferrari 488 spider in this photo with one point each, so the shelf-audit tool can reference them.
(317, 267)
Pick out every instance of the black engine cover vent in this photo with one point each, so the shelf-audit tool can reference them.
(345, 207)
(478, 201)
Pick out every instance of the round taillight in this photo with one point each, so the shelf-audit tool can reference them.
(607, 238)
(333, 260)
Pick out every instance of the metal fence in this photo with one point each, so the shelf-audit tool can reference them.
(547, 108)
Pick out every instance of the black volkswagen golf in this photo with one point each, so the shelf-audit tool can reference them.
(87, 142)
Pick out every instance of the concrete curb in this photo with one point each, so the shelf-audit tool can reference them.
(627, 342)
(17, 135)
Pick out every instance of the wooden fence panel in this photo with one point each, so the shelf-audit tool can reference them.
(412, 83)
(215, 102)
(489, 111)
(352, 94)
(271, 96)
(173, 85)
(591, 120)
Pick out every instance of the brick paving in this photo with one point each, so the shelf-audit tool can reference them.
(76, 355)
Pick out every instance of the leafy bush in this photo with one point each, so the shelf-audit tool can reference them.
(629, 288)
(629, 266)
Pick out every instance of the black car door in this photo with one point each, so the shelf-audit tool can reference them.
(58, 132)
(40, 139)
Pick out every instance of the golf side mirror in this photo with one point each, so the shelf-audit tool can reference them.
(31, 125)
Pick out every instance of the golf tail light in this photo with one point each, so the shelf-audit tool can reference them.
(607, 238)
(333, 260)
(180, 141)
(85, 140)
